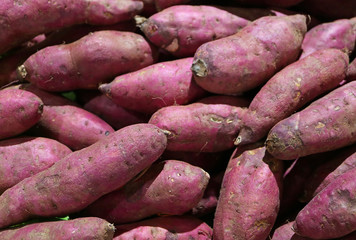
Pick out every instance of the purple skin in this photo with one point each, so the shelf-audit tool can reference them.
(331, 213)
(164, 228)
(167, 188)
(290, 89)
(115, 115)
(180, 30)
(247, 59)
(285, 232)
(163, 4)
(351, 71)
(156, 86)
(338, 34)
(263, 3)
(79, 229)
(249, 197)
(19, 111)
(199, 127)
(327, 124)
(48, 16)
(72, 126)
(106, 166)
(24, 157)
(237, 101)
(73, 66)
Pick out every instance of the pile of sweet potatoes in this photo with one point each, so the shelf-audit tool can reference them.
(224, 120)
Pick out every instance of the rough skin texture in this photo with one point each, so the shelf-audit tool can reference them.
(285, 232)
(82, 177)
(169, 188)
(180, 30)
(25, 156)
(156, 86)
(338, 34)
(290, 89)
(23, 20)
(327, 124)
(332, 212)
(247, 59)
(249, 197)
(73, 66)
(19, 111)
(88, 228)
(164, 228)
(199, 127)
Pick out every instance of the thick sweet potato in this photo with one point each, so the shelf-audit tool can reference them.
(78, 229)
(21, 21)
(237, 101)
(170, 188)
(199, 127)
(290, 89)
(75, 66)
(285, 232)
(249, 197)
(19, 111)
(180, 30)
(247, 59)
(156, 86)
(331, 213)
(328, 123)
(25, 156)
(351, 71)
(164, 228)
(82, 177)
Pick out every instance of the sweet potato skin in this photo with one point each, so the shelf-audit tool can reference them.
(181, 29)
(237, 101)
(199, 127)
(20, 110)
(106, 166)
(49, 16)
(25, 156)
(156, 86)
(328, 123)
(163, 228)
(74, 66)
(285, 232)
(331, 213)
(267, 45)
(163, 4)
(290, 89)
(170, 187)
(351, 71)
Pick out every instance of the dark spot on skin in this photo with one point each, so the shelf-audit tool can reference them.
(107, 133)
(90, 159)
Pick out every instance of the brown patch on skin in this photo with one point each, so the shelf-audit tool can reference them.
(199, 68)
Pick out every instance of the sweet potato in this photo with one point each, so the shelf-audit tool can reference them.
(264, 3)
(75, 66)
(247, 59)
(156, 86)
(82, 177)
(181, 29)
(285, 232)
(249, 197)
(331, 213)
(170, 188)
(237, 101)
(327, 124)
(24, 20)
(199, 127)
(351, 71)
(337, 34)
(290, 89)
(25, 156)
(162, 4)
(164, 228)
(19, 111)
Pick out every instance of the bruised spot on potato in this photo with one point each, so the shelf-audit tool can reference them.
(319, 125)
(199, 68)
(173, 46)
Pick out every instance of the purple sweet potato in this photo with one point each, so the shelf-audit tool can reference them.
(199, 127)
(247, 59)
(167, 188)
(237, 101)
(290, 89)
(25, 156)
(75, 66)
(249, 197)
(24, 20)
(19, 111)
(338, 34)
(78, 229)
(327, 124)
(156, 86)
(82, 177)
(331, 213)
(163, 4)
(164, 228)
(180, 30)
(285, 232)
(351, 71)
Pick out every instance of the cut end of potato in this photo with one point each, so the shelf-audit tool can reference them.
(21, 72)
(199, 68)
(105, 89)
(140, 20)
